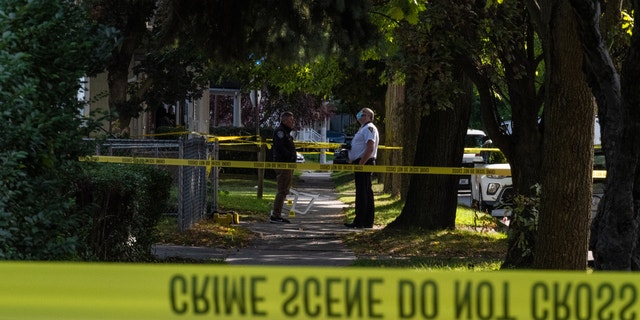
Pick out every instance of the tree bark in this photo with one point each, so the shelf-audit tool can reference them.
(523, 149)
(395, 121)
(117, 80)
(628, 152)
(519, 62)
(614, 231)
(130, 19)
(567, 164)
(411, 120)
(431, 200)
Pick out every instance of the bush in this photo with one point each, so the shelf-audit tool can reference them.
(46, 46)
(123, 203)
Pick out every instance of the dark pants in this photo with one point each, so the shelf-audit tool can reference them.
(284, 179)
(365, 208)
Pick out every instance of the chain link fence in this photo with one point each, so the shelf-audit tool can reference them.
(190, 182)
(192, 186)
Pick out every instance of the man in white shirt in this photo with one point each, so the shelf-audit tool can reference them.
(364, 149)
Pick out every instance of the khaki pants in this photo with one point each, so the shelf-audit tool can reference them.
(284, 179)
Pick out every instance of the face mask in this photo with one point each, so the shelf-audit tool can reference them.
(359, 115)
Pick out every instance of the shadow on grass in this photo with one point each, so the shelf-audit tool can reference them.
(442, 250)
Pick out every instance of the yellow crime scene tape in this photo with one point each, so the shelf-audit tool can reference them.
(67, 290)
(258, 140)
(39, 290)
(308, 166)
(296, 166)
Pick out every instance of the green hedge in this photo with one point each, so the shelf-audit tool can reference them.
(45, 47)
(123, 204)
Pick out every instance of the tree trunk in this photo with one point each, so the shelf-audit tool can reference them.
(395, 123)
(523, 149)
(623, 216)
(131, 21)
(614, 231)
(523, 144)
(118, 75)
(411, 122)
(431, 200)
(563, 222)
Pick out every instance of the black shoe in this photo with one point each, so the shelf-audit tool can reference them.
(280, 220)
(357, 226)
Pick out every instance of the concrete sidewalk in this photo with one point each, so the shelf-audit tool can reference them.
(312, 239)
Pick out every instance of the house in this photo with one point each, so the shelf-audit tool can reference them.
(197, 116)
(193, 115)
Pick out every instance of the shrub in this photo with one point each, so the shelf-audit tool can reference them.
(46, 46)
(123, 204)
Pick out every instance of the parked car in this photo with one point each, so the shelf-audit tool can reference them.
(492, 193)
(474, 139)
(336, 137)
(341, 156)
(299, 158)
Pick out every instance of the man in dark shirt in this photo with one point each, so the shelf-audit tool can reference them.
(284, 150)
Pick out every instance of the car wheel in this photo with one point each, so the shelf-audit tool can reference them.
(486, 208)
(483, 206)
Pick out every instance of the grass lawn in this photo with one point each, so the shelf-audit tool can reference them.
(479, 241)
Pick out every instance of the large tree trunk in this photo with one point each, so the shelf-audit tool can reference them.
(622, 218)
(431, 201)
(568, 148)
(396, 123)
(411, 124)
(402, 122)
(614, 231)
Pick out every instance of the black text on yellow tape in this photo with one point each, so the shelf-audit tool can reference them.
(38, 290)
(600, 174)
(298, 166)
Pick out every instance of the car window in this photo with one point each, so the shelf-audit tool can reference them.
(473, 141)
(491, 157)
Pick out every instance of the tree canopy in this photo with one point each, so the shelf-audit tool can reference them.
(276, 30)
(201, 41)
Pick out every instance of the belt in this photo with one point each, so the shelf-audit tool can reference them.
(370, 161)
